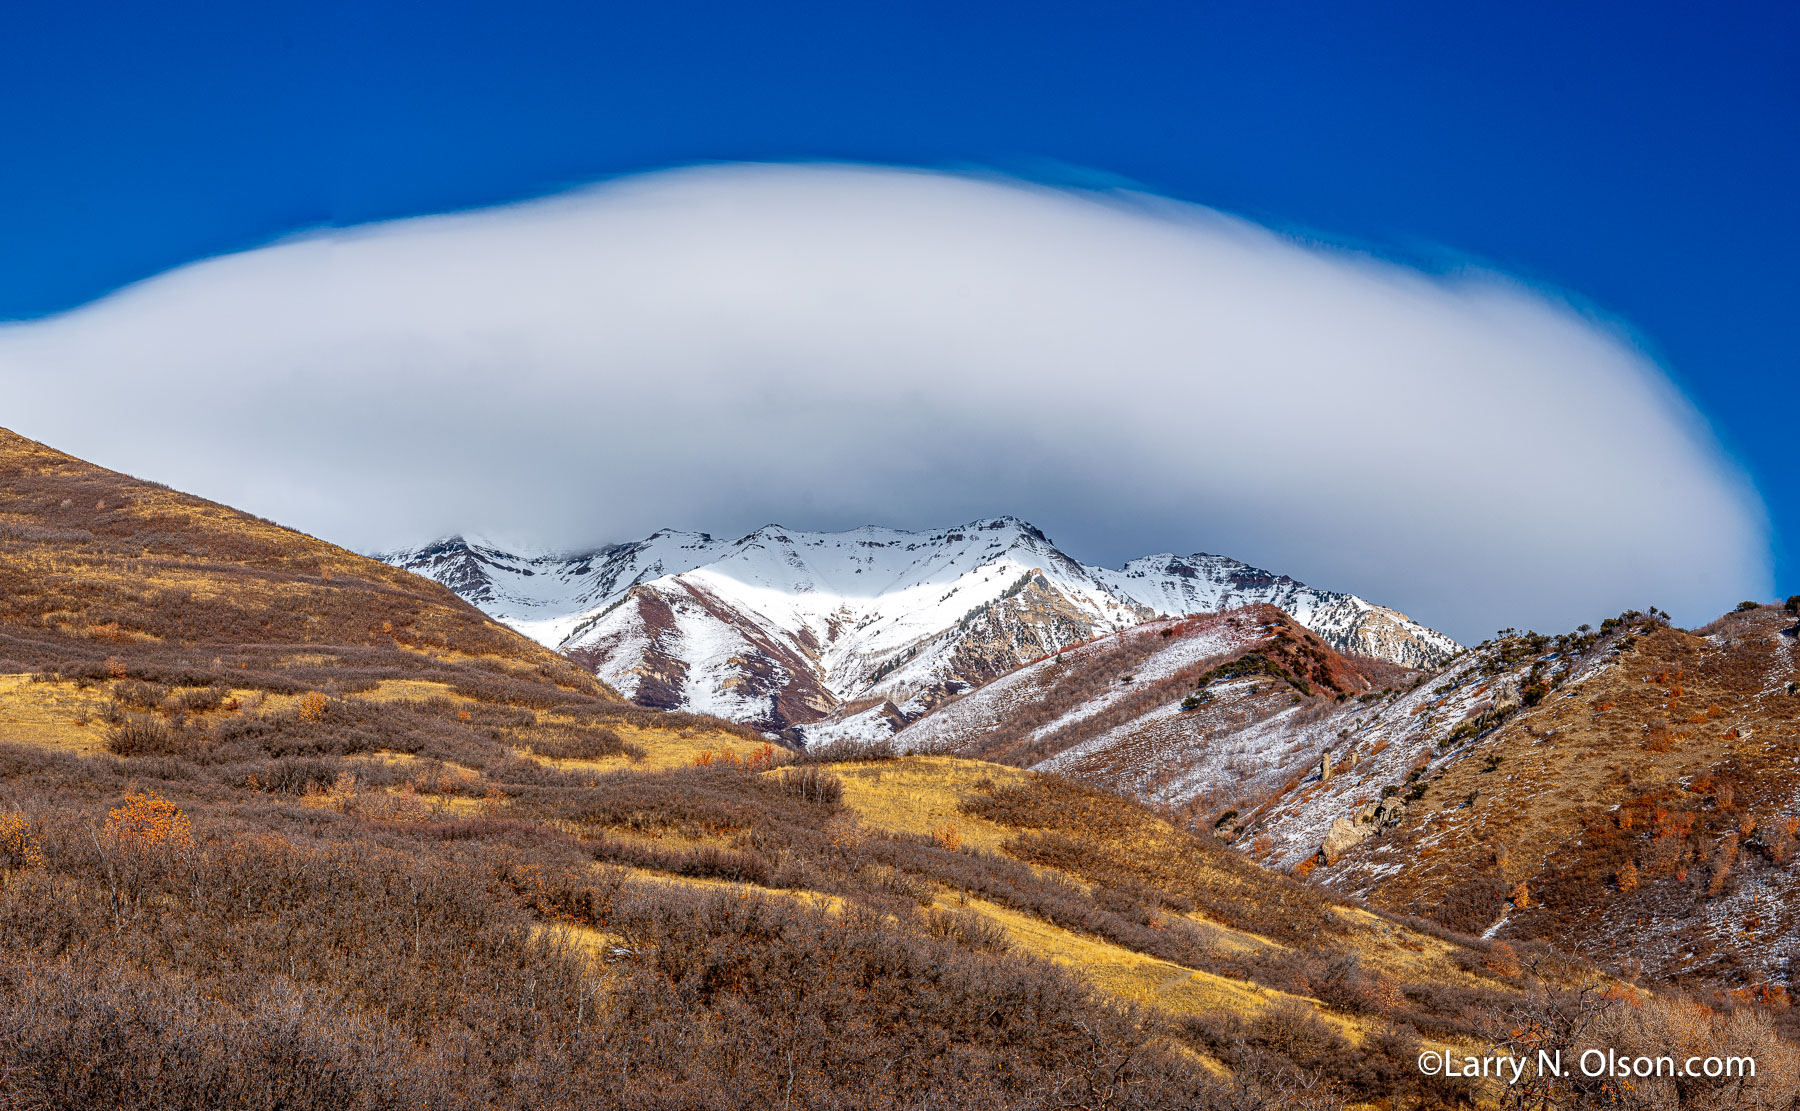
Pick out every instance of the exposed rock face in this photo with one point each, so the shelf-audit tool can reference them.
(1344, 835)
(1145, 711)
(754, 673)
(1383, 813)
(1506, 697)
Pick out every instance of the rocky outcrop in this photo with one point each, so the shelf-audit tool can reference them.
(1345, 834)
(1506, 699)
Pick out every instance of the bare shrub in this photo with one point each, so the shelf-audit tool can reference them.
(968, 929)
(142, 735)
(813, 784)
(594, 742)
(199, 700)
(848, 751)
(138, 694)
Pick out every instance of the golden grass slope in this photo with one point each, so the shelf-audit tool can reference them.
(54, 715)
(99, 564)
(220, 636)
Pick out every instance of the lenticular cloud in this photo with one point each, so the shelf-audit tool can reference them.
(823, 346)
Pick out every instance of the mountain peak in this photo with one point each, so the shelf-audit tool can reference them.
(783, 626)
(1003, 523)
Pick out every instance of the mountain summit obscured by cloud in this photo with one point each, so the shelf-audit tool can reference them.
(823, 346)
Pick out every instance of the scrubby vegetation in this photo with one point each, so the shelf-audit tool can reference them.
(1624, 793)
(269, 964)
(282, 828)
(171, 940)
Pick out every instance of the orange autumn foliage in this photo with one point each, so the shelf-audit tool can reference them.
(947, 837)
(18, 846)
(146, 821)
(312, 706)
(1628, 876)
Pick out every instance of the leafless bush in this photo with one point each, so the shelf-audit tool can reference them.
(814, 785)
(971, 931)
(143, 735)
(198, 700)
(848, 751)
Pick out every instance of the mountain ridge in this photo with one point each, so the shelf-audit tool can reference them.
(782, 628)
(303, 830)
(236, 754)
(1568, 789)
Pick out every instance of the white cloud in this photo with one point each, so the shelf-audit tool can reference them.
(717, 348)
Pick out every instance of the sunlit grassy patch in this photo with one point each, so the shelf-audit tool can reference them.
(923, 794)
(1128, 974)
(817, 899)
(597, 944)
(662, 749)
(1404, 954)
(419, 690)
(406, 759)
(1228, 938)
(51, 715)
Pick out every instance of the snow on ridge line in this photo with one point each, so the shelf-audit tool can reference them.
(873, 611)
(1164, 584)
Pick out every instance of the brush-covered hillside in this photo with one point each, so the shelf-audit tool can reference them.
(1630, 792)
(284, 828)
(102, 574)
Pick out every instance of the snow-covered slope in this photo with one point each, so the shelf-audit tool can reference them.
(1172, 584)
(1147, 711)
(781, 627)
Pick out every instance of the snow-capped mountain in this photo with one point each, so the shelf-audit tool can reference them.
(781, 628)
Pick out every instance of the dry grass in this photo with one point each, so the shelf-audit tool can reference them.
(1116, 846)
(1231, 940)
(1407, 955)
(51, 715)
(97, 565)
(1124, 973)
(833, 904)
(920, 795)
(105, 578)
(598, 945)
(923, 794)
(627, 929)
(413, 690)
(663, 749)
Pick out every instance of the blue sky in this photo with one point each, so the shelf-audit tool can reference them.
(1643, 158)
